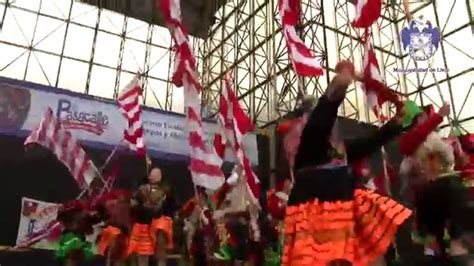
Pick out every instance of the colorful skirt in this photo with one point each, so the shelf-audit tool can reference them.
(358, 230)
(73, 245)
(165, 225)
(141, 242)
(112, 235)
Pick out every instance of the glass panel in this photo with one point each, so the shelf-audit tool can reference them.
(111, 21)
(125, 79)
(133, 56)
(18, 26)
(156, 92)
(43, 68)
(49, 35)
(12, 61)
(161, 36)
(178, 100)
(137, 29)
(107, 49)
(79, 42)
(73, 75)
(56, 8)
(84, 14)
(32, 5)
(102, 82)
(159, 63)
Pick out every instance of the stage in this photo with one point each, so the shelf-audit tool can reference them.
(36, 257)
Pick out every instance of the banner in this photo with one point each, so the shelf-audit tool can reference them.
(97, 122)
(36, 217)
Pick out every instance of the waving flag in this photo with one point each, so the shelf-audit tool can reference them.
(303, 59)
(51, 134)
(235, 124)
(366, 13)
(205, 164)
(129, 102)
(376, 92)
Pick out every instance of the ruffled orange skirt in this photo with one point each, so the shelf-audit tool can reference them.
(108, 235)
(358, 231)
(141, 242)
(164, 224)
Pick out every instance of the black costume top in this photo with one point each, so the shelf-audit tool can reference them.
(315, 149)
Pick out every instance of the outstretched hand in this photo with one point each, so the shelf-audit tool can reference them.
(445, 110)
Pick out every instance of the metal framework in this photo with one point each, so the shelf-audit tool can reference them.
(83, 48)
(247, 40)
(80, 47)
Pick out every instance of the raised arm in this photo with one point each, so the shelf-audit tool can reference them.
(315, 136)
(412, 139)
(363, 147)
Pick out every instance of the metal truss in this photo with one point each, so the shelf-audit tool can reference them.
(247, 40)
(137, 46)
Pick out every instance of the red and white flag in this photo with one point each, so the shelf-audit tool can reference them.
(304, 62)
(374, 87)
(129, 103)
(205, 164)
(233, 117)
(366, 13)
(52, 135)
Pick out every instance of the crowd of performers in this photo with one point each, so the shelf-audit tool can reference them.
(324, 213)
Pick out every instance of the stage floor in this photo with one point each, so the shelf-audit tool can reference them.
(36, 257)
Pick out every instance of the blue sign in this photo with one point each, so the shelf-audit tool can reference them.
(421, 39)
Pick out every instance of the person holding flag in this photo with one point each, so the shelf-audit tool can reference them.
(327, 219)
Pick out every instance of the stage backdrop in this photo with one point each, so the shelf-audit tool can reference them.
(98, 122)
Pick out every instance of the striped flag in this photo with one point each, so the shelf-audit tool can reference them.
(51, 134)
(205, 164)
(376, 92)
(231, 115)
(129, 103)
(366, 13)
(303, 59)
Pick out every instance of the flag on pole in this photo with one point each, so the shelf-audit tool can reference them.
(367, 12)
(205, 164)
(51, 134)
(129, 103)
(305, 63)
(231, 115)
(375, 90)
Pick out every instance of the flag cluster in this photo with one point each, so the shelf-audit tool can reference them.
(234, 125)
(366, 13)
(129, 104)
(51, 134)
(205, 165)
(303, 59)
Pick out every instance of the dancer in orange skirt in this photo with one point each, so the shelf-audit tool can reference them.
(328, 221)
(113, 240)
(153, 232)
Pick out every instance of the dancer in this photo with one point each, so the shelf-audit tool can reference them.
(200, 228)
(77, 222)
(328, 221)
(240, 216)
(115, 209)
(421, 123)
(441, 201)
(152, 234)
(277, 201)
